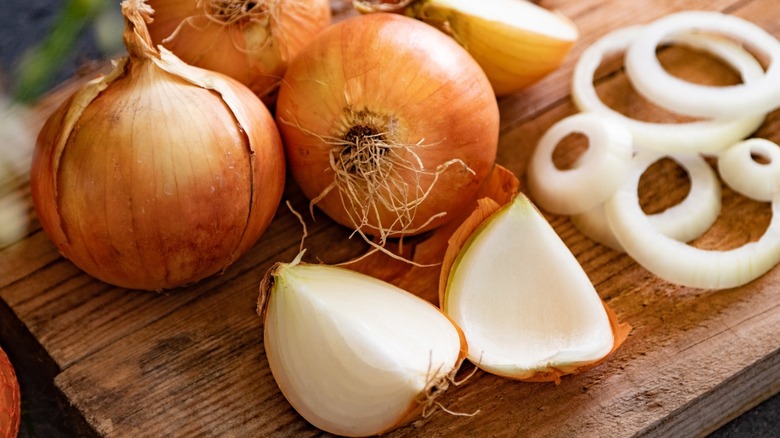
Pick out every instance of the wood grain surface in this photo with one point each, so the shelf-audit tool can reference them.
(190, 362)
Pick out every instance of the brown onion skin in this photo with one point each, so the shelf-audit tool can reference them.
(10, 398)
(224, 49)
(155, 187)
(407, 72)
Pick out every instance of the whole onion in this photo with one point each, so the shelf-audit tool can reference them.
(390, 127)
(251, 41)
(157, 174)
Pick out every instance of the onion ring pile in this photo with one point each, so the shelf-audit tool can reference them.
(614, 217)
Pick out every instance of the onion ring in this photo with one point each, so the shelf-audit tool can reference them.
(596, 174)
(678, 262)
(702, 136)
(748, 177)
(683, 222)
(652, 81)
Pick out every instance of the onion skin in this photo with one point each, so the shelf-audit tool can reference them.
(158, 174)
(253, 50)
(10, 399)
(411, 81)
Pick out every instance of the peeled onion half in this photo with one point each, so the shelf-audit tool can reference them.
(524, 303)
(355, 356)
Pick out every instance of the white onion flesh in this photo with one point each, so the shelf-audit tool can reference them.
(521, 298)
(684, 264)
(701, 136)
(658, 86)
(748, 177)
(684, 222)
(596, 174)
(352, 354)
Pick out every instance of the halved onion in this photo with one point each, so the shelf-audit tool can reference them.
(740, 170)
(658, 86)
(678, 262)
(354, 355)
(596, 174)
(707, 136)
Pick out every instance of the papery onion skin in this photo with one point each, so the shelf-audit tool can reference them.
(158, 174)
(254, 48)
(10, 399)
(406, 81)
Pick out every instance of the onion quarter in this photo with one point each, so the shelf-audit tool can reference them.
(524, 303)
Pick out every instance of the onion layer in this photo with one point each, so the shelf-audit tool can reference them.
(657, 85)
(740, 170)
(684, 222)
(702, 136)
(388, 124)
(596, 174)
(678, 262)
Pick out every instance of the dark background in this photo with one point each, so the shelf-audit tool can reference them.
(33, 61)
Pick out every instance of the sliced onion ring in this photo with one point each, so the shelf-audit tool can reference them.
(702, 136)
(678, 262)
(658, 86)
(596, 174)
(747, 176)
(684, 222)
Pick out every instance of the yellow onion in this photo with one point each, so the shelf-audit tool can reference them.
(355, 356)
(515, 41)
(251, 41)
(10, 400)
(157, 174)
(389, 126)
(524, 303)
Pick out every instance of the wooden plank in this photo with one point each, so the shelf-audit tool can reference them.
(191, 362)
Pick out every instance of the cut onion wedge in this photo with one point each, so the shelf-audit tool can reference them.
(707, 136)
(354, 355)
(685, 221)
(678, 262)
(740, 170)
(524, 303)
(596, 174)
(658, 86)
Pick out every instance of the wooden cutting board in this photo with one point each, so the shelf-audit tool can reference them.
(190, 362)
